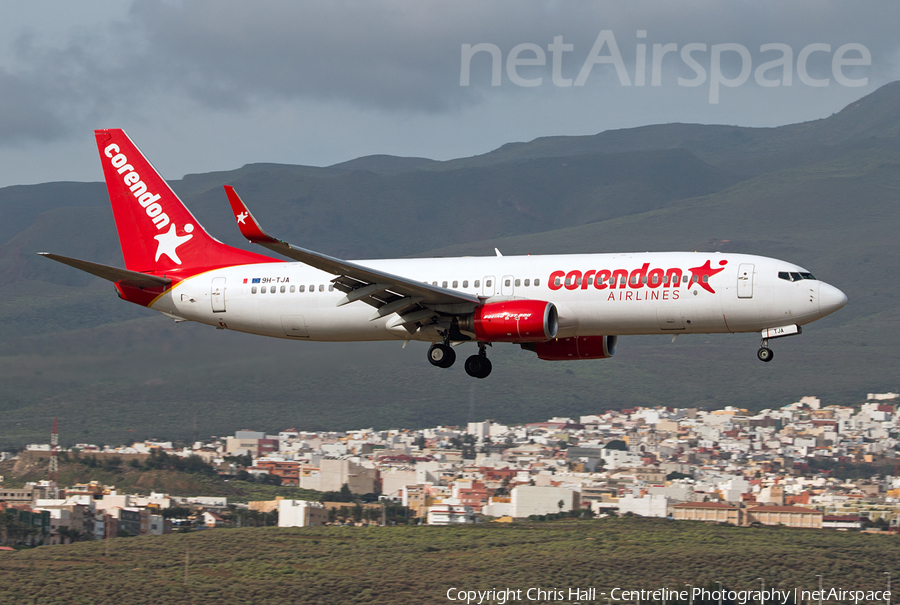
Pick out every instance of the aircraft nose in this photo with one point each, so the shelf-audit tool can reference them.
(830, 299)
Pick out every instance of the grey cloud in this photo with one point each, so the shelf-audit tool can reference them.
(391, 56)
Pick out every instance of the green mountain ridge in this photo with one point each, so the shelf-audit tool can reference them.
(112, 371)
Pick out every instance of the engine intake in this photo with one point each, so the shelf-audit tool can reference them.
(513, 321)
(577, 347)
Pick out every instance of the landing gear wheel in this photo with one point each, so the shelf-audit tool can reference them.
(441, 355)
(765, 354)
(478, 366)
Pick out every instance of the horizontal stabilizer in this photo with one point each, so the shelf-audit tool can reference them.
(113, 274)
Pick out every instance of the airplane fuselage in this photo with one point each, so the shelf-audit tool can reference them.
(595, 294)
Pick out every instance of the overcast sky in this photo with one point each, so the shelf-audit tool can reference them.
(215, 84)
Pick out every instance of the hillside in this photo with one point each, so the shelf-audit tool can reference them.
(871, 122)
(128, 477)
(331, 565)
(112, 371)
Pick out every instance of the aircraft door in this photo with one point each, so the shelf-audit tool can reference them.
(506, 285)
(745, 281)
(217, 295)
(488, 285)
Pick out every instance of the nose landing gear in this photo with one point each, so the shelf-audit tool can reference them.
(765, 354)
(478, 365)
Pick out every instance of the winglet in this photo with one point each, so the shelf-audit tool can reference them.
(247, 223)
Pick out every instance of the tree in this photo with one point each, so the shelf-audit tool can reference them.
(175, 512)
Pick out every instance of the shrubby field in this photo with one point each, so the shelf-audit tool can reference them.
(329, 565)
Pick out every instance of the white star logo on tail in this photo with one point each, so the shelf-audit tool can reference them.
(242, 217)
(169, 242)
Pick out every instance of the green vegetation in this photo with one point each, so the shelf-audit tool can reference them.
(419, 564)
(161, 473)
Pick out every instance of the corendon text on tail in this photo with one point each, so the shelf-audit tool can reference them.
(561, 307)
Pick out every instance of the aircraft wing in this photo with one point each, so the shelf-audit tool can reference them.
(386, 292)
(113, 274)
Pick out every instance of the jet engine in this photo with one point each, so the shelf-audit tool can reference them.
(512, 321)
(577, 347)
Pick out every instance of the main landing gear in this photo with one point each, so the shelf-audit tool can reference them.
(442, 355)
(765, 353)
(478, 365)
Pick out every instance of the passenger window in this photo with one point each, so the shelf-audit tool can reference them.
(292, 289)
(465, 283)
(434, 283)
(312, 287)
(443, 284)
(706, 279)
(537, 282)
(283, 289)
(321, 287)
(506, 283)
(655, 279)
(624, 282)
(518, 282)
(477, 283)
(684, 279)
(527, 282)
(695, 278)
(487, 283)
(644, 279)
(331, 287)
(455, 284)
(253, 290)
(301, 288)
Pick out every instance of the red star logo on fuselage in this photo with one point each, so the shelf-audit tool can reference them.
(705, 270)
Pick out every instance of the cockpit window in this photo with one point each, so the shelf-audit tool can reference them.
(794, 276)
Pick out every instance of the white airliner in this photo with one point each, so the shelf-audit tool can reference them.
(562, 307)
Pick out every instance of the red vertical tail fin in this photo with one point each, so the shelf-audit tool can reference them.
(157, 232)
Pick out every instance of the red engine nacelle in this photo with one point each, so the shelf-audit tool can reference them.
(513, 321)
(577, 347)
